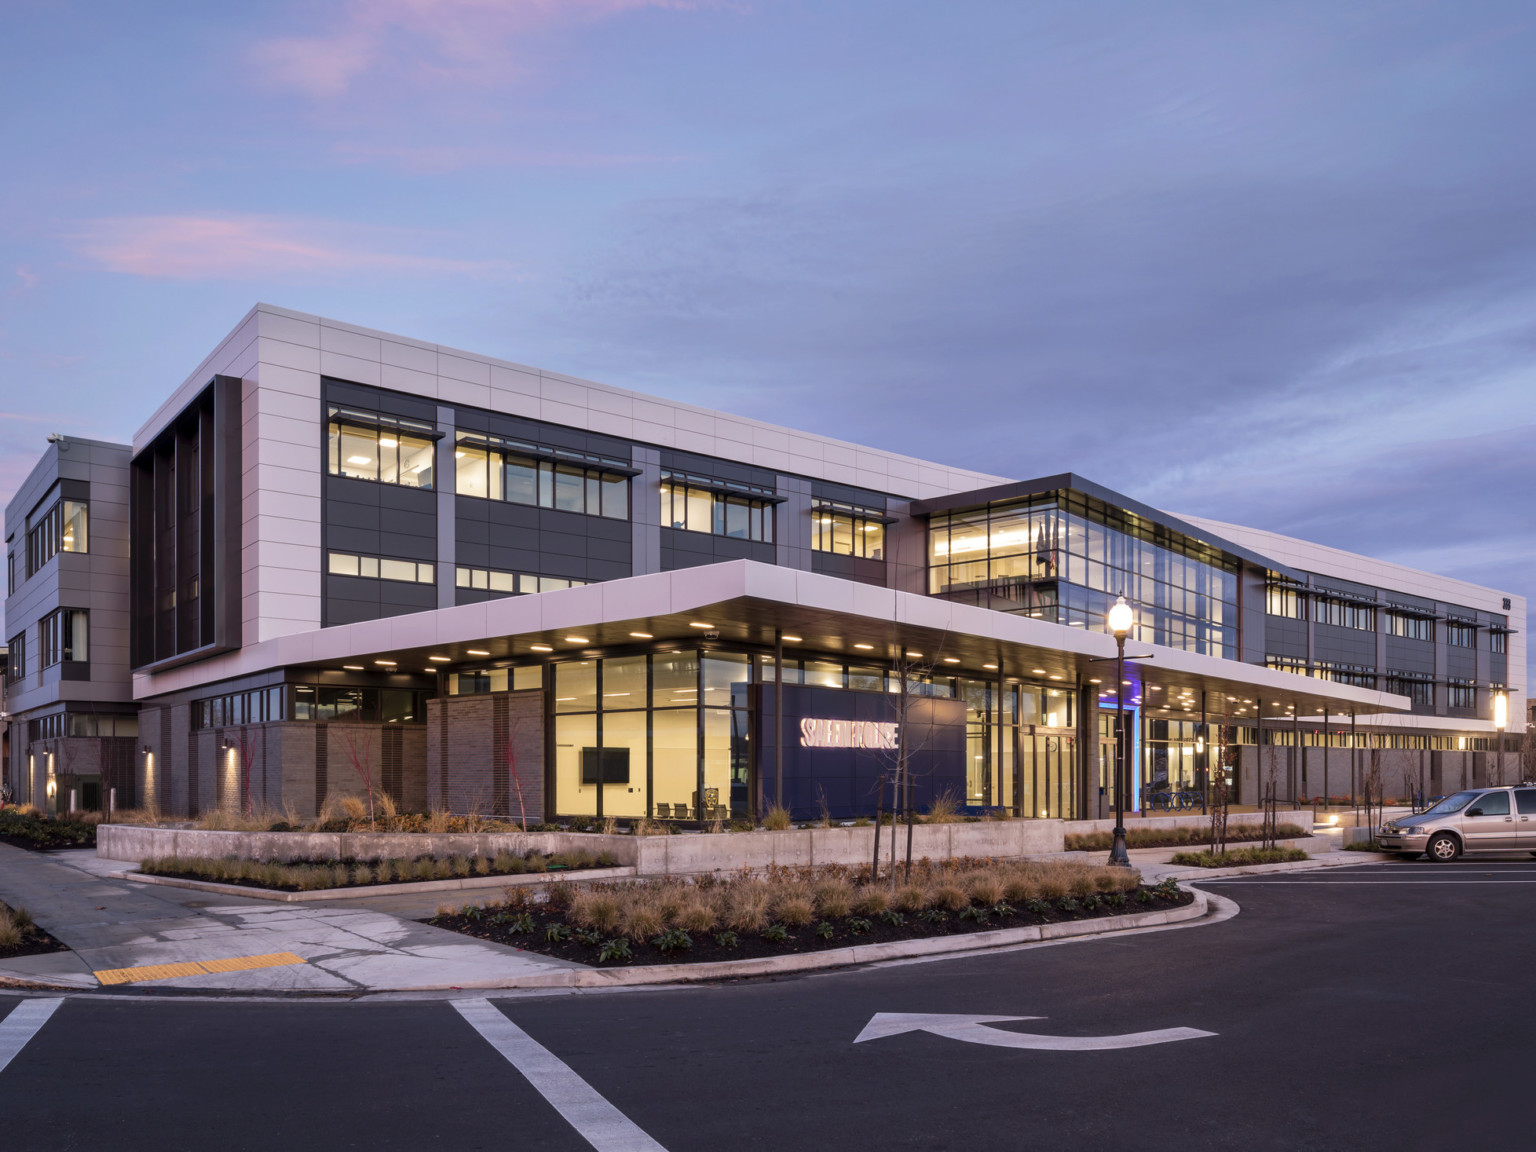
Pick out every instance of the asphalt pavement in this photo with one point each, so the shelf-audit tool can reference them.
(1372, 1007)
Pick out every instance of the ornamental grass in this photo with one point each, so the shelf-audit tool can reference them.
(315, 875)
(750, 902)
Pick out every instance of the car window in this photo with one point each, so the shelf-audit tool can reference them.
(1451, 804)
(1493, 803)
(1525, 801)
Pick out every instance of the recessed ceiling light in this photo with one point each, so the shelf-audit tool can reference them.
(1037, 671)
(951, 660)
(790, 639)
(389, 663)
(1155, 688)
(541, 647)
(641, 635)
(990, 667)
(1095, 681)
(352, 668)
(577, 640)
(477, 651)
(439, 659)
(914, 655)
(699, 624)
(865, 647)
(1055, 677)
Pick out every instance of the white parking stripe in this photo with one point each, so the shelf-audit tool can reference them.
(601, 1124)
(22, 1024)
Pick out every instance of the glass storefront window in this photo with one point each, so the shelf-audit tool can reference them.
(624, 683)
(824, 674)
(725, 679)
(576, 686)
(573, 735)
(675, 679)
(675, 742)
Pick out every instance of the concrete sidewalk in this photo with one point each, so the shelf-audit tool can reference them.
(342, 947)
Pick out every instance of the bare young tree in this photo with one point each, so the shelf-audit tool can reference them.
(359, 751)
(911, 672)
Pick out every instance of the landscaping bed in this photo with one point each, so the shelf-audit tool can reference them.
(25, 827)
(1239, 857)
(19, 936)
(1177, 837)
(796, 910)
(317, 875)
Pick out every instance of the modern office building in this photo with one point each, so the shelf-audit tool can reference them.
(363, 559)
(73, 723)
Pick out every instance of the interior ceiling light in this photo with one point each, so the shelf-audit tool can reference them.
(914, 655)
(642, 635)
(359, 459)
(439, 659)
(1055, 677)
(990, 667)
(386, 442)
(577, 640)
(478, 652)
(790, 639)
(951, 660)
(352, 668)
(389, 663)
(699, 624)
(1037, 671)
(1095, 681)
(865, 647)
(541, 648)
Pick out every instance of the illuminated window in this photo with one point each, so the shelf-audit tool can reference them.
(847, 530)
(387, 449)
(380, 568)
(511, 583)
(491, 468)
(719, 508)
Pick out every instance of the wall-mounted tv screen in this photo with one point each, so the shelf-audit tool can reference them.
(613, 763)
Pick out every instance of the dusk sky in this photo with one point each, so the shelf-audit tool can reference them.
(1269, 263)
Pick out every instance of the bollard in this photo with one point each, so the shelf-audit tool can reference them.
(72, 801)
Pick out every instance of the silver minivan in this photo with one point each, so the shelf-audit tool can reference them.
(1477, 820)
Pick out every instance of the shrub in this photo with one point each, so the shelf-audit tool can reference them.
(824, 930)
(727, 939)
(1239, 857)
(950, 897)
(776, 934)
(795, 910)
(912, 898)
(945, 809)
(777, 819)
(673, 940)
(984, 888)
(641, 921)
(858, 925)
(615, 951)
(871, 900)
(834, 898)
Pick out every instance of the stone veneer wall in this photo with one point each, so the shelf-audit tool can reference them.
(187, 771)
(485, 753)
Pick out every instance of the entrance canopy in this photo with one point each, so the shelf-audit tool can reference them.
(744, 602)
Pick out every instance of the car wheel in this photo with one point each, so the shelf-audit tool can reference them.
(1443, 847)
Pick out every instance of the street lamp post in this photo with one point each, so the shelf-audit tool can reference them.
(1500, 721)
(1120, 620)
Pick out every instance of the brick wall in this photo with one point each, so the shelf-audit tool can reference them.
(485, 753)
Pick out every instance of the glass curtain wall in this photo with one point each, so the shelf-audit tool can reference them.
(660, 735)
(1064, 557)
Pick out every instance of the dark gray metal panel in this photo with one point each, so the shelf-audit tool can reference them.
(645, 512)
(364, 396)
(710, 466)
(1404, 655)
(869, 498)
(850, 567)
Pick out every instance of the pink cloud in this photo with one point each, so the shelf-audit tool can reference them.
(425, 41)
(251, 247)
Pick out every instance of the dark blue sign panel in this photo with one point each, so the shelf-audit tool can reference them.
(839, 745)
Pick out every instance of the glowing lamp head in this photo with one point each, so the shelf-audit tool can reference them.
(1121, 618)
(1500, 711)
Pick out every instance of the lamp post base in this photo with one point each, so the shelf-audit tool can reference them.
(1118, 856)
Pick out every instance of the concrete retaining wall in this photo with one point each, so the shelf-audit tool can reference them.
(649, 855)
(1301, 817)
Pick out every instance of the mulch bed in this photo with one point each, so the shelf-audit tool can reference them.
(34, 942)
(497, 927)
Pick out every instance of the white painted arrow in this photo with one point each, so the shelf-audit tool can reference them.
(973, 1030)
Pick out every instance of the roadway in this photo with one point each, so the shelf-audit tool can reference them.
(1379, 1006)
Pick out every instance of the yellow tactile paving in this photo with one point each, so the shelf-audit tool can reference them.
(195, 968)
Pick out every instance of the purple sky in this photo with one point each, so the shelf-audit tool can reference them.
(1271, 263)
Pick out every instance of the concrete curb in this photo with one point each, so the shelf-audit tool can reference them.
(1193, 875)
(416, 887)
(838, 957)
